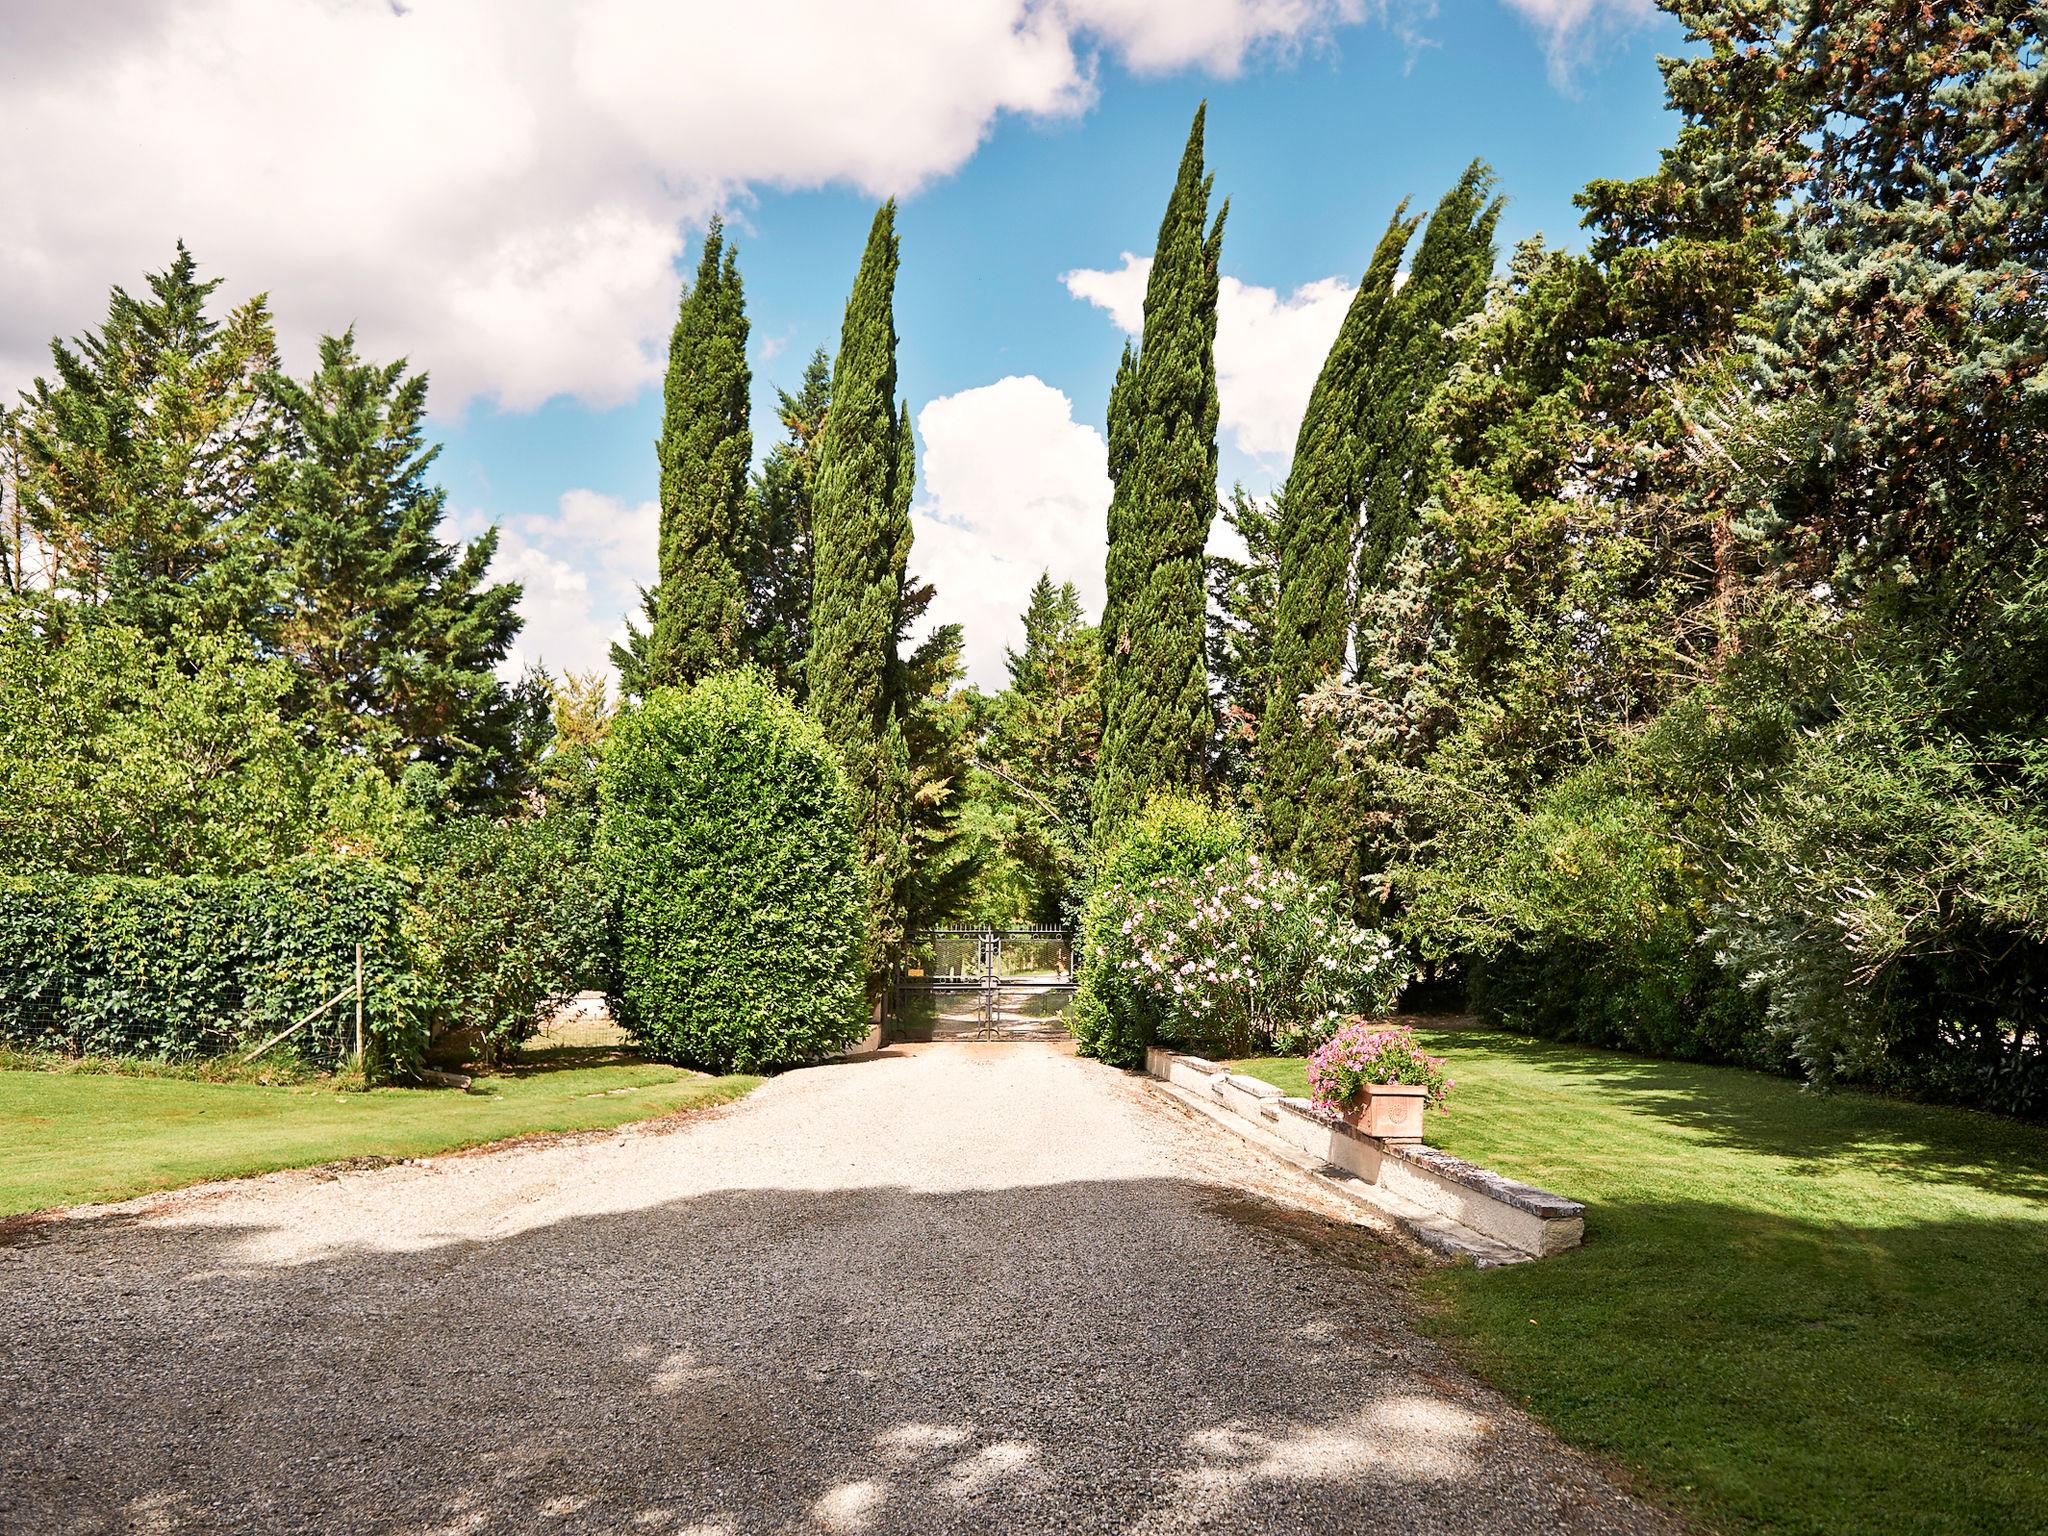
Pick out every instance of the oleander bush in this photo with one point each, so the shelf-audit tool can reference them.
(119, 965)
(1114, 1017)
(727, 833)
(1244, 958)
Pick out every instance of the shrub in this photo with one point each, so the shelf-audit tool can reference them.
(512, 919)
(123, 966)
(1245, 956)
(728, 834)
(1113, 1017)
(1363, 1053)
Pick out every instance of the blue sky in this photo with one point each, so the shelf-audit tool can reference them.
(550, 191)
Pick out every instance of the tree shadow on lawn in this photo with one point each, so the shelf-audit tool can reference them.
(1799, 1373)
(1740, 1108)
(1110, 1355)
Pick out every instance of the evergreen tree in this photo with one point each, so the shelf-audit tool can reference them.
(395, 637)
(1447, 283)
(1041, 740)
(1318, 530)
(705, 448)
(142, 463)
(860, 555)
(779, 559)
(1156, 717)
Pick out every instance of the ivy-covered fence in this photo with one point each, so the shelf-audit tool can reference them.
(115, 965)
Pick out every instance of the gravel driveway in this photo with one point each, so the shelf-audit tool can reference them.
(949, 1288)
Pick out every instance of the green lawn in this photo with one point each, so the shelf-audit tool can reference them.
(1792, 1312)
(70, 1139)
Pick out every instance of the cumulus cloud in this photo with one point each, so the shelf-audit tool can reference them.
(582, 567)
(1011, 485)
(498, 188)
(1269, 346)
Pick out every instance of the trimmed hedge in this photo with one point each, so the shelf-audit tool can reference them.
(125, 966)
(728, 835)
(512, 919)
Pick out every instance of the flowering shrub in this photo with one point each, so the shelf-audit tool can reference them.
(1245, 956)
(1361, 1053)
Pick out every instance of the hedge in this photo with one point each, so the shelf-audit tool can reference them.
(127, 966)
(728, 836)
(511, 920)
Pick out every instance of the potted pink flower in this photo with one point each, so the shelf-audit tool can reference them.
(1377, 1079)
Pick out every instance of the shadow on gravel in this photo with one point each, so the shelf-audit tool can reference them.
(1113, 1356)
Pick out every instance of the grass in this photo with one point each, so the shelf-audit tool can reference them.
(70, 1139)
(1792, 1312)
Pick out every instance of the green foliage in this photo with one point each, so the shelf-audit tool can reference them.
(115, 965)
(728, 836)
(121, 757)
(706, 445)
(169, 479)
(1156, 721)
(510, 920)
(1113, 1017)
(1700, 712)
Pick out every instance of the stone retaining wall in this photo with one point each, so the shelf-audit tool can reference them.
(1530, 1220)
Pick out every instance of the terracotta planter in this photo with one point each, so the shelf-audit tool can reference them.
(1390, 1111)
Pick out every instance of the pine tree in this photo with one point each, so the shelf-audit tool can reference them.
(395, 637)
(779, 558)
(1163, 411)
(705, 449)
(860, 555)
(142, 463)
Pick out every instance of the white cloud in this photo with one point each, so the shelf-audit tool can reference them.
(1269, 346)
(497, 188)
(582, 567)
(1572, 28)
(1011, 485)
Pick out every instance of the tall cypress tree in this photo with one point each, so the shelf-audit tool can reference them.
(860, 553)
(1318, 511)
(1156, 716)
(1446, 285)
(706, 446)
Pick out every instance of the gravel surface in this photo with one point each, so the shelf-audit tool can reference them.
(949, 1288)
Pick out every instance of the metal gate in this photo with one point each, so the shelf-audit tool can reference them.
(984, 983)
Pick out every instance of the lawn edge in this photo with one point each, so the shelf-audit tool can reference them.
(15, 1228)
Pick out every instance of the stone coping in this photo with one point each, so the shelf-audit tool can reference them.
(1523, 1197)
(1434, 1195)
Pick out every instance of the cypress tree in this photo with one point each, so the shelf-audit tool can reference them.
(1446, 285)
(779, 559)
(706, 446)
(1318, 512)
(860, 553)
(1162, 430)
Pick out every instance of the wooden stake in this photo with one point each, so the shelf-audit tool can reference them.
(359, 1003)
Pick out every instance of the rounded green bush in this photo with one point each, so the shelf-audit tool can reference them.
(728, 836)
